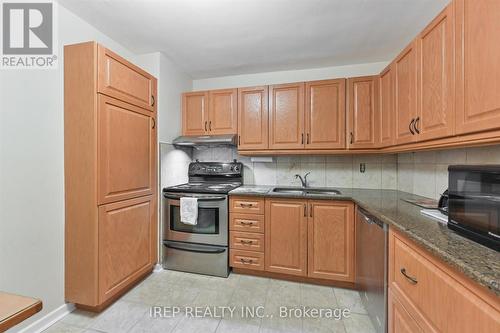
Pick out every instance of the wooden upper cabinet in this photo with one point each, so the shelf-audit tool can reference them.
(331, 240)
(477, 51)
(286, 116)
(362, 111)
(253, 118)
(126, 154)
(386, 107)
(223, 111)
(286, 236)
(435, 78)
(121, 79)
(125, 250)
(405, 89)
(195, 113)
(325, 114)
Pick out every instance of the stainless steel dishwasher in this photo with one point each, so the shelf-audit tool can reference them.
(371, 267)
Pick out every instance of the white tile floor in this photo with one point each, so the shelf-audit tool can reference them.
(168, 288)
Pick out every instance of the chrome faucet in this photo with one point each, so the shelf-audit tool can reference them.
(303, 180)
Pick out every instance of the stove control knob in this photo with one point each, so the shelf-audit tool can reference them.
(235, 168)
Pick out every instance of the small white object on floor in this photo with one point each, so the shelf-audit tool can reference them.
(189, 210)
(435, 214)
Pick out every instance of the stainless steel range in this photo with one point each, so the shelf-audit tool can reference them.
(201, 248)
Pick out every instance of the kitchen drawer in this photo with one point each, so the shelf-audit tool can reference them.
(400, 320)
(250, 205)
(246, 259)
(438, 298)
(246, 241)
(246, 222)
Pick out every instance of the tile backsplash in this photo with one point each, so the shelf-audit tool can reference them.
(422, 173)
(335, 171)
(426, 173)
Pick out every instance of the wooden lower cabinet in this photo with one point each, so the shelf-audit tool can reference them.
(286, 236)
(330, 229)
(125, 244)
(438, 298)
(311, 239)
(399, 319)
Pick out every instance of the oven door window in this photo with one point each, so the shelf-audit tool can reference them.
(208, 221)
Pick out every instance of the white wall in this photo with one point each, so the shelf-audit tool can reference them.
(32, 167)
(248, 80)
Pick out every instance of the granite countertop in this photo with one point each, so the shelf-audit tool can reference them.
(476, 261)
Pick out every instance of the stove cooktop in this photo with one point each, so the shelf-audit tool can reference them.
(203, 187)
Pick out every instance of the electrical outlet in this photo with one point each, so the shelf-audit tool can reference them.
(362, 167)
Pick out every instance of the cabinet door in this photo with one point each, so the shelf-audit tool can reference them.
(223, 111)
(405, 81)
(435, 77)
(386, 107)
(325, 114)
(286, 237)
(331, 240)
(253, 118)
(126, 151)
(121, 79)
(195, 113)
(477, 51)
(286, 116)
(399, 321)
(363, 111)
(125, 251)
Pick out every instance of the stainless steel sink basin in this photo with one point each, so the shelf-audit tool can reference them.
(322, 191)
(288, 190)
(313, 191)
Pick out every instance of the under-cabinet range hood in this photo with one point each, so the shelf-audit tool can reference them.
(205, 140)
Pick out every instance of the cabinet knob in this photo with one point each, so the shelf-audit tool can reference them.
(415, 125)
(210, 125)
(411, 279)
(351, 140)
(152, 100)
(154, 123)
(205, 126)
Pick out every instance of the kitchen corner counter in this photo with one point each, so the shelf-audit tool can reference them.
(476, 261)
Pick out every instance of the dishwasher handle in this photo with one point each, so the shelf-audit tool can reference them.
(369, 220)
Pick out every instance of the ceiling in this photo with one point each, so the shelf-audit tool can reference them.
(209, 38)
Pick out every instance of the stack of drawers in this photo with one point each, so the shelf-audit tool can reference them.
(246, 233)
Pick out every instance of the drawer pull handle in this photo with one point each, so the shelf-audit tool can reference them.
(246, 241)
(246, 261)
(244, 205)
(409, 278)
(246, 222)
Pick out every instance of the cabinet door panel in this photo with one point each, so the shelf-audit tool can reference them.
(195, 113)
(363, 112)
(223, 111)
(477, 66)
(286, 116)
(325, 114)
(405, 77)
(253, 118)
(386, 107)
(120, 79)
(399, 321)
(126, 154)
(124, 244)
(331, 241)
(286, 237)
(436, 92)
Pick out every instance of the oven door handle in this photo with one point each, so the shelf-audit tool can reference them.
(194, 248)
(177, 197)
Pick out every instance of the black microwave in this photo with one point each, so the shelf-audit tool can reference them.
(474, 202)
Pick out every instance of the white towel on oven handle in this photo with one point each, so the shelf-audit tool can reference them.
(189, 210)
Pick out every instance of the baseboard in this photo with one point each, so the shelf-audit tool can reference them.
(49, 319)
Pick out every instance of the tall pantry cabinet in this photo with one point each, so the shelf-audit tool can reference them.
(110, 174)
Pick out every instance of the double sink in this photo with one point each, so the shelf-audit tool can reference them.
(305, 191)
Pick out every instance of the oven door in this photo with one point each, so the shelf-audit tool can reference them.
(212, 225)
